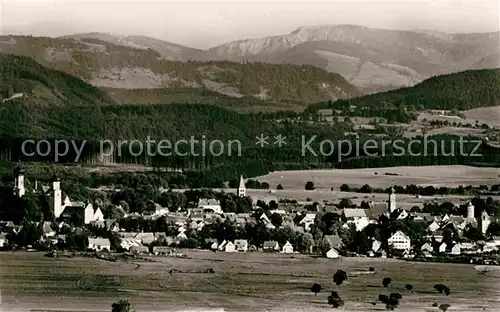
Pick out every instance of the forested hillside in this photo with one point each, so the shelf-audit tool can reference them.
(43, 86)
(459, 91)
(104, 64)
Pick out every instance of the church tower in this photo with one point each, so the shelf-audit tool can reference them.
(19, 189)
(57, 200)
(484, 222)
(242, 188)
(392, 200)
(470, 211)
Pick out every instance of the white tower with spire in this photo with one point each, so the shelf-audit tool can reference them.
(57, 200)
(470, 211)
(19, 189)
(242, 188)
(392, 200)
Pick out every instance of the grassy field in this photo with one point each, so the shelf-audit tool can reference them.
(449, 176)
(487, 115)
(241, 282)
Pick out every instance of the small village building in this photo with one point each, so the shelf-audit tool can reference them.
(427, 247)
(163, 251)
(99, 244)
(241, 245)
(271, 246)
(376, 245)
(3, 240)
(442, 247)
(210, 205)
(456, 250)
(222, 246)
(399, 241)
(287, 248)
(332, 254)
(357, 217)
(229, 247)
(139, 249)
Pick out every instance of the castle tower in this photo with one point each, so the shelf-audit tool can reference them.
(392, 200)
(57, 200)
(242, 188)
(19, 189)
(470, 211)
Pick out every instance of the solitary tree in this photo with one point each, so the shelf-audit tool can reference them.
(121, 306)
(309, 186)
(444, 307)
(335, 300)
(409, 286)
(316, 288)
(279, 187)
(386, 281)
(339, 277)
(442, 289)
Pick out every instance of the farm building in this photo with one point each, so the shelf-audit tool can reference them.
(287, 248)
(241, 245)
(230, 247)
(271, 246)
(99, 244)
(332, 254)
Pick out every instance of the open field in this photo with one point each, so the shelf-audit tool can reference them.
(449, 176)
(487, 115)
(241, 282)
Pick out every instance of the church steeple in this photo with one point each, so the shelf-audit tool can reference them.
(242, 188)
(392, 200)
(19, 189)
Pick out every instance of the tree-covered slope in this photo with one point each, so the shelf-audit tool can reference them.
(104, 64)
(42, 86)
(460, 91)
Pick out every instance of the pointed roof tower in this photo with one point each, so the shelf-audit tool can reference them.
(242, 183)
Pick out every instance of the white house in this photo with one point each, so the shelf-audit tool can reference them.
(241, 245)
(376, 245)
(271, 246)
(307, 221)
(357, 217)
(427, 247)
(222, 246)
(433, 227)
(442, 247)
(332, 254)
(210, 205)
(399, 241)
(98, 244)
(229, 247)
(455, 250)
(402, 215)
(3, 240)
(287, 248)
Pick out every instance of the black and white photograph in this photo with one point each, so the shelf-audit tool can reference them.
(249, 156)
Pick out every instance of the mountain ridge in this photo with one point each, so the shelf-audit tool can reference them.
(374, 59)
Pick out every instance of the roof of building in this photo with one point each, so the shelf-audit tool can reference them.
(241, 242)
(99, 241)
(334, 241)
(354, 213)
(270, 244)
(377, 209)
(208, 202)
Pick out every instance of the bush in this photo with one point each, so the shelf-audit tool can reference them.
(309, 186)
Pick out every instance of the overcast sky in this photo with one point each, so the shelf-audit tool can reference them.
(203, 24)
